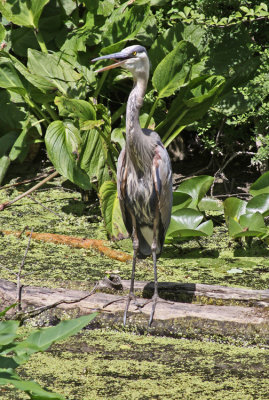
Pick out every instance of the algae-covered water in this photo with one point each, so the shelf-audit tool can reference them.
(106, 364)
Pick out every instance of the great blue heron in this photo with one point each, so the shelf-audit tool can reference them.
(144, 175)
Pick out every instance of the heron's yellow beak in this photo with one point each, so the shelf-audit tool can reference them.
(115, 65)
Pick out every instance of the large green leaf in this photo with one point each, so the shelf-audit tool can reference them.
(165, 43)
(248, 225)
(175, 69)
(234, 208)
(191, 103)
(53, 71)
(25, 13)
(261, 185)
(35, 391)
(81, 109)
(111, 211)
(42, 339)
(9, 78)
(8, 331)
(123, 25)
(196, 188)
(63, 144)
(4, 164)
(187, 222)
(180, 200)
(96, 159)
(2, 33)
(260, 204)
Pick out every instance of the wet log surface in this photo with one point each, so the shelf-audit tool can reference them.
(248, 321)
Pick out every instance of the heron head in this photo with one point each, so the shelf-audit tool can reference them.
(133, 58)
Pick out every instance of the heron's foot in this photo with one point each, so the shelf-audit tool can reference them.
(128, 299)
(154, 300)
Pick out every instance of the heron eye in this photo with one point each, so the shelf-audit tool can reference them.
(134, 53)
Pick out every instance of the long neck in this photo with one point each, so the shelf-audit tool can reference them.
(134, 133)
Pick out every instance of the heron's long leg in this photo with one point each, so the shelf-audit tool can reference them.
(155, 296)
(135, 248)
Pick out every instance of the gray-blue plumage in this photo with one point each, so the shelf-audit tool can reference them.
(144, 175)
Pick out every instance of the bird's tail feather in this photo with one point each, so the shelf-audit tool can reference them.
(145, 237)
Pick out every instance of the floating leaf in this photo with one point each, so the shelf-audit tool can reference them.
(210, 204)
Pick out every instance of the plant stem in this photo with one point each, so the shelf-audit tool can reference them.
(118, 113)
(41, 42)
(37, 109)
(100, 84)
(51, 112)
(151, 112)
(175, 123)
(174, 135)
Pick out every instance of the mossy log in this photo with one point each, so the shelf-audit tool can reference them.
(249, 324)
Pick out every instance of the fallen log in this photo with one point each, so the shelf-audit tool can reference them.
(189, 292)
(248, 324)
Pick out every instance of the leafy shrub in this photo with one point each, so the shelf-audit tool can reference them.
(14, 353)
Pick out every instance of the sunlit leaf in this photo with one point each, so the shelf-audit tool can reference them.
(81, 109)
(51, 68)
(63, 145)
(174, 70)
(234, 208)
(261, 185)
(8, 376)
(260, 204)
(196, 187)
(26, 13)
(180, 200)
(187, 222)
(111, 212)
(9, 78)
(8, 331)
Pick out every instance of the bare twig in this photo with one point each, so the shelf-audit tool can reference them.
(37, 178)
(230, 159)
(19, 286)
(42, 205)
(39, 310)
(9, 203)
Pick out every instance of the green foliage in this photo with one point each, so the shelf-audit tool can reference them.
(246, 219)
(111, 212)
(189, 222)
(207, 62)
(14, 352)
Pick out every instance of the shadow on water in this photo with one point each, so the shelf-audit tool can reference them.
(195, 252)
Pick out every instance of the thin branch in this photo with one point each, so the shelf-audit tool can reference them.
(42, 205)
(19, 286)
(37, 311)
(9, 203)
(26, 181)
